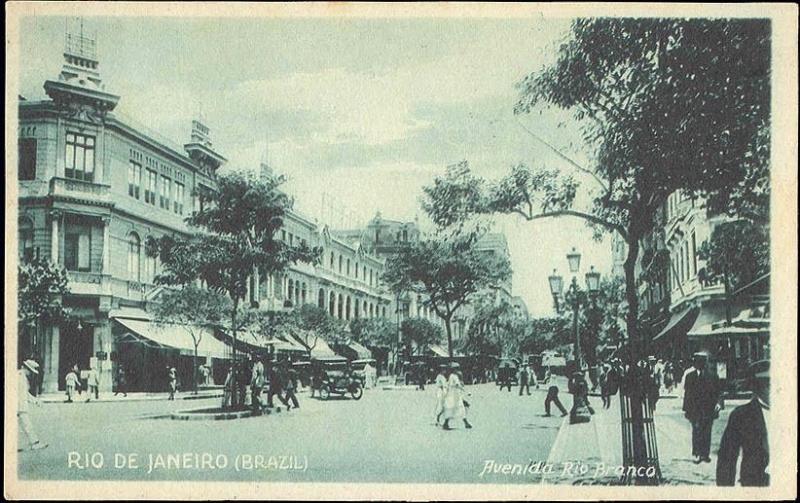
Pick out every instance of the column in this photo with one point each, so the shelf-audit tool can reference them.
(102, 342)
(107, 245)
(55, 216)
(51, 360)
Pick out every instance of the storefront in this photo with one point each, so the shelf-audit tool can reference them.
(146, 350)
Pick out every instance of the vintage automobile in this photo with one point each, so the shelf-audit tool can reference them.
(507, 371)
(334, 375)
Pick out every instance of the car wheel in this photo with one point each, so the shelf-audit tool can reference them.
(324, 392)
(357, 392)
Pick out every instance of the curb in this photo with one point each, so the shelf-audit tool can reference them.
(136, 399)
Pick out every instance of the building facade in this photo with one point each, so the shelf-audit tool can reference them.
(94, 186)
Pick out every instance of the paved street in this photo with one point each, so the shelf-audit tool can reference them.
(388, 436)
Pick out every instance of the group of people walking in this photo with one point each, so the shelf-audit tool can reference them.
(451, 397)
(279, 378)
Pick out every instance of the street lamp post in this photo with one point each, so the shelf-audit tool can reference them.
(574, 296)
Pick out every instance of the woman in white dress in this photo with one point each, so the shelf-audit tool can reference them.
(441, 392)
(454, 401)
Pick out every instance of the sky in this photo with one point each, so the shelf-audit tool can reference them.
(359, 114)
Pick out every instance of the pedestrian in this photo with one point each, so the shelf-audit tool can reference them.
(524, 379)
(256, 384)
(421, 376)
(122, 382)
(609, 384)
(454, 407)
(746, 431)
(669, 376)
(275, 387)
(227, 389)
(172, 378)
(581, 409)
(547, 375)
(552, 397)
(441, 392)
(701, 406)
(72, 382)
(27, 383)
(504, 376)
(93, 384)
(290, 378)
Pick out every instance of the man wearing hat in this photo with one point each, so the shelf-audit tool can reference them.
(747, 432)
(701, 406)
(27, 374)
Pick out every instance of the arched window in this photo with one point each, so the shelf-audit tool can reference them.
(348, 308)
(364, 273)
(321, 299)
(332, 304)
(348, 267)
(356, 271)
(290, 295)
(364, 308)
(340, 306)
(384, 312)
(341, 261)
(134, 256)
(333, 260)
(305, 293)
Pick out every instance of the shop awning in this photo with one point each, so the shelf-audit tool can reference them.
(362, 352)
(711, 323)
(172, 336)
(258, 341)
(438, 350)
(678, 323)
(319, 347)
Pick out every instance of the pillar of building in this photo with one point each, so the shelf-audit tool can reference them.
(102, 347)
(55, 216)
(51, 354)
(107, 245)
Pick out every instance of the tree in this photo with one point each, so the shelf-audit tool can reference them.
(41, 286)
(494, 328)
(419, 333)
(197, 310)
(376, 333)
(448, 270)
(737, 254)
(315, 323)
(665, 105)
(543, 334)
(234, 239)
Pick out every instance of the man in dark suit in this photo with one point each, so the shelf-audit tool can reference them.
(747, 432)
(701, 406)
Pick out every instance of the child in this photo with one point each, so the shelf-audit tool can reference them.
(72, 382)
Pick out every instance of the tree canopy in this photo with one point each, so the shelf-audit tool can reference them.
(41, 284)
(448, 270)
(665, 104)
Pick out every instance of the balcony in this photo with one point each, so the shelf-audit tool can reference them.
(80, 190)
(96, 283)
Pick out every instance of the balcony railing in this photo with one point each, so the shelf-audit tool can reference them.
(79, 189)
(96, 283)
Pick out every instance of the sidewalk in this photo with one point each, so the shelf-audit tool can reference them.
(598, 444)
(108, 396)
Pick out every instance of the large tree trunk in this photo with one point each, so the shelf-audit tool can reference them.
(633, 390)
(449, 330)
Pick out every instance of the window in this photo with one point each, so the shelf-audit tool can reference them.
(291, 239)
(179, 198)
(79, 159)
(134, 179)
(694, 253)
(333, 260)
(77, 249)
(150, 269)
(364, 273)
(134, 256)
(370, 276)
(348, 267)
(405, 235)
(283, 236)
(150, 191)
(27, 159)
(25, 240)
(166, 191)
(341, 262)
